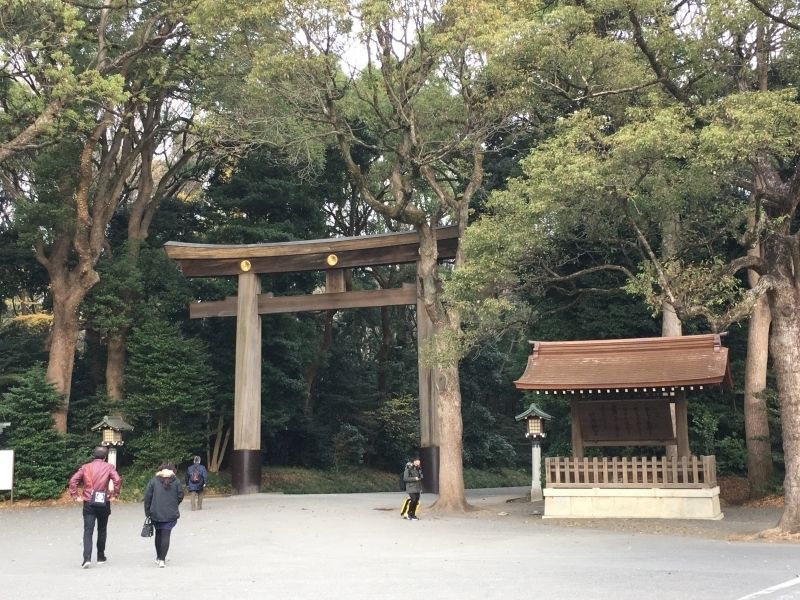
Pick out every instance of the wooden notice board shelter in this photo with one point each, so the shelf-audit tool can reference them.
(248, 262)
(624, 393)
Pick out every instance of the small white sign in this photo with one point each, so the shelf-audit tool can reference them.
(6, 469)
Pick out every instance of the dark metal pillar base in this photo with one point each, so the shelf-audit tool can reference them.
(246, 471)
(430, 469)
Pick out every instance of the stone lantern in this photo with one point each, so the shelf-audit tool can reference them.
(112, 428)
(535, 419)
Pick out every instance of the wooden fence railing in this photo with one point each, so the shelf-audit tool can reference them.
(631, 472)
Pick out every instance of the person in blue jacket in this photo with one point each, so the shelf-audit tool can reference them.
(196, 480)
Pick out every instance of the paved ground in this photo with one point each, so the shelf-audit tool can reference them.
(357, 547)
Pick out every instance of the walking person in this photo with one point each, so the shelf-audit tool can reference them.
(413, 479)
(161, 499)
(196, 480)
(95, 477)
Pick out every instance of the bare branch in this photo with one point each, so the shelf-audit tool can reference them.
(777, 18)
(556, 278)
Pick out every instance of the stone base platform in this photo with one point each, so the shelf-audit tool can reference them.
(632, 503)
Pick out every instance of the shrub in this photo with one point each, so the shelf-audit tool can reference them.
(348, 446)
(44, 460)
(484, 447)
(153, 447)
(396, 438)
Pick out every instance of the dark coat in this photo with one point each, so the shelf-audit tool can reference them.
(202, 472)
(161, 503)
(413, 478)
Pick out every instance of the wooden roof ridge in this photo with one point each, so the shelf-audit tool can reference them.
(627, 364)
(189, 251)
(658, 344)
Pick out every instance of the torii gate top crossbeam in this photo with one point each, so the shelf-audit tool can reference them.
(211, 260)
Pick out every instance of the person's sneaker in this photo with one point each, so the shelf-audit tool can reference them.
(86, 564)
(161, 564)
(103, 560)
(414, 518)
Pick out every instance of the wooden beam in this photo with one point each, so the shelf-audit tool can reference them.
(285, 304)
(289, 263)
(577, 434)
(186, 251)
(682, 426)
(334, 281)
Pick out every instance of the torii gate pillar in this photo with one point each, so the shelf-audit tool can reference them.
(246, 457)
(428, 403)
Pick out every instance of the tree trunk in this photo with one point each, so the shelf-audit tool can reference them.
(95, 354)
(222, 435)
(756, 423)
(784, 303)
(63, 341)
(451, 466)
(671, 325)
(383, 354)
(445, 330)
(115, 365)
(312, 369)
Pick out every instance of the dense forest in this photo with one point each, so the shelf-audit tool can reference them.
(614, 169)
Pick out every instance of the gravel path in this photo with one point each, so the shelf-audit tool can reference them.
(357, 547)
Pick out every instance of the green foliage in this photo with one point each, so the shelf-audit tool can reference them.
(349, 446)
(707, 284)
(23, 340)
(715, 428)
(151, 448)
(294, 480)
(44, 460)
(135, 479)
(397, 430)
(476, 478)
(483, 447)
(109, 306)
(169, 391)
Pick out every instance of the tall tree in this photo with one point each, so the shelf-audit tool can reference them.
(414, 63)
(105, 154)
(706, 139)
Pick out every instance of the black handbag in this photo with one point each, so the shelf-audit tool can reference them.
(147, 528)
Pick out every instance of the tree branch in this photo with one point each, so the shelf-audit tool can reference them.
(657, 67)
(752, 262)
(777, 18)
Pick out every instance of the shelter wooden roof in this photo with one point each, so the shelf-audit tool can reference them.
(635, 364)
(308, 255)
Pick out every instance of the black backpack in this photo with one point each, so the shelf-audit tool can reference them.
(195, 476)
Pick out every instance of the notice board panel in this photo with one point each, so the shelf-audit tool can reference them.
(6, 469)
(625, 421)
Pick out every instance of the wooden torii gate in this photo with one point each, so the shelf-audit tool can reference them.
(248, 262)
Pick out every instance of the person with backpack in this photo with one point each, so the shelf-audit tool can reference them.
(161, 499)
(196, 480)
(97, 494)
(412, 476)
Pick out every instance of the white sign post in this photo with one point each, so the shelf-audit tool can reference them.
(7, 472)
